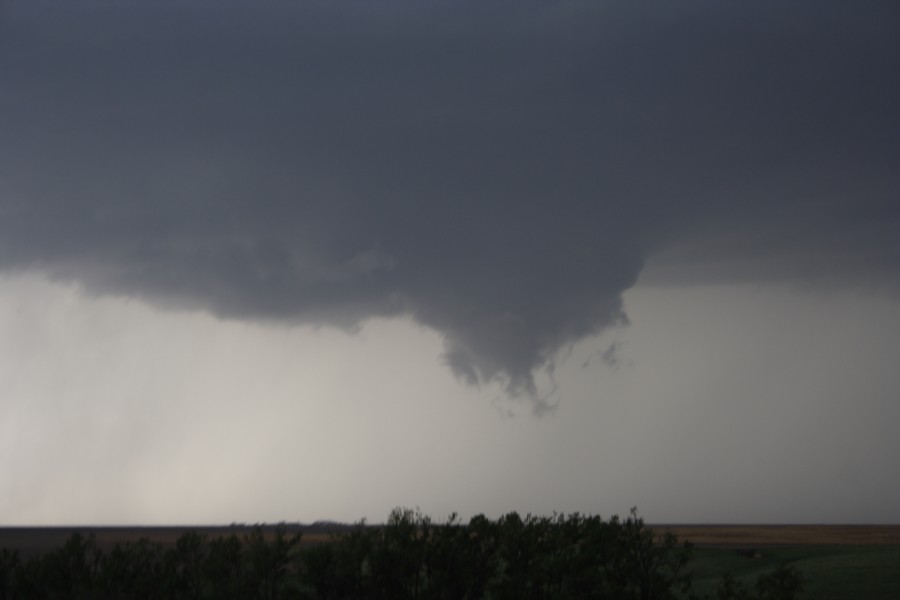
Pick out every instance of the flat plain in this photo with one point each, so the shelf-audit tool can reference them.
(31, 541)
(34, 540)
(837, 562)
(783, 535)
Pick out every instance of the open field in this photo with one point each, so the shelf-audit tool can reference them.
(30, 541)
(836, 562)
(790, 535)
(830, 572)
(34, 540)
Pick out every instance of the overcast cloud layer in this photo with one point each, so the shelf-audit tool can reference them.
(499, 171)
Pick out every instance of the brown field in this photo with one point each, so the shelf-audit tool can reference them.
(788, 535)
(30, 541)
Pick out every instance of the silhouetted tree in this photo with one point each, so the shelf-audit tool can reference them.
(9, 566)
(183, 567)
(397, 556)
(639, 567)
(410, 557)
(133, 570)
(459, 560)
(270, 564)
(224, 569)
(72, 571)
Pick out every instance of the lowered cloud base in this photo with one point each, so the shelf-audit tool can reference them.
(499, 173)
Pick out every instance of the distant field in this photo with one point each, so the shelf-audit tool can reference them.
(34, 540)
(30, 541)
(830, 572)
(790, 535)
(837, 562)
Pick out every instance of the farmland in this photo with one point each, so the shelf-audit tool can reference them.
(35, 540)
(835, 562)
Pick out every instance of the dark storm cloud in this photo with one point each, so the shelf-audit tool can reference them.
(499, 171)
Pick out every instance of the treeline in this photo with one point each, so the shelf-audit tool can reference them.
(410, 557)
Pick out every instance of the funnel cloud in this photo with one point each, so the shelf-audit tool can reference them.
(502, 172)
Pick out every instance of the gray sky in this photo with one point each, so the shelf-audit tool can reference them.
(309, 260)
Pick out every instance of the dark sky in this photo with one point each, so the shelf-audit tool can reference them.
(500, 172)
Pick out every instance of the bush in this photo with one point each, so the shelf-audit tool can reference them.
(410, 557)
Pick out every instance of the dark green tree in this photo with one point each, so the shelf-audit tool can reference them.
(639, 567)
(72, 571)
(183, 567)
(271, 563)
(224, 569)
(9, 566)
(517, 553)
(133, 570)
(396, 561)
(459, 560)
